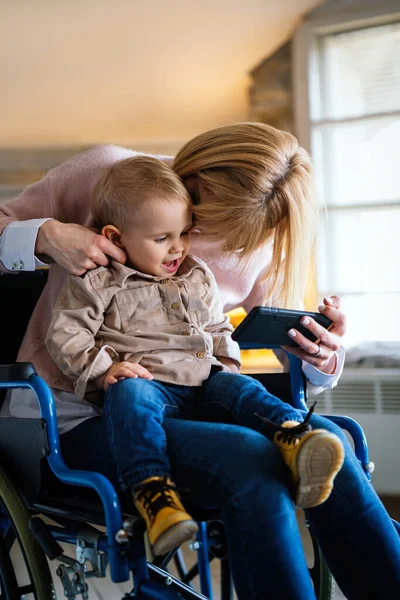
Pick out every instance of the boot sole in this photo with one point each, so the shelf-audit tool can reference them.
(175, 536)
(319, 461)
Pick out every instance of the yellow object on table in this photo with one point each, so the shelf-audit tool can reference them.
(254, 361)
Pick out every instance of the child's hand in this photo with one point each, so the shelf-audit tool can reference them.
(124, 370)
(228, 362)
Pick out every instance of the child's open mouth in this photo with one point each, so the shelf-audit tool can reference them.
(171, 266)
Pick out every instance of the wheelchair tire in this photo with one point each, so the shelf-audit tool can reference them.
(326, 582)
(40, 581)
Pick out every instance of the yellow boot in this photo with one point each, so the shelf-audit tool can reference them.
(314, 457)
(168, 524)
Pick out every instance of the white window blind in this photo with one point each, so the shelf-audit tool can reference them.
(355, 137)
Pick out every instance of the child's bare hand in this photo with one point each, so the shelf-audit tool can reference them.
(125, 370)
(230, 363)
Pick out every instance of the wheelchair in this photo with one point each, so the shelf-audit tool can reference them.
(43, 502)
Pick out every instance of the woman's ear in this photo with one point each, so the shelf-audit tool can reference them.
(113, 234)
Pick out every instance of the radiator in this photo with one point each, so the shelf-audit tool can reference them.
(372, 398)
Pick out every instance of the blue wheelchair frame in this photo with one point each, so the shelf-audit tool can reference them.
(124, 554)
(127, 554)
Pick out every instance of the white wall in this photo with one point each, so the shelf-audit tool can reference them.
(127, 71)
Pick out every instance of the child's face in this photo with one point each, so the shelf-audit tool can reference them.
(159, 241)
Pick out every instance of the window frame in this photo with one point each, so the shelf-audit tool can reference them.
(337, 18)
(331, 18)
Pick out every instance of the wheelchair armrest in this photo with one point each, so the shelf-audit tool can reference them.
(16, 372)
(297, 379)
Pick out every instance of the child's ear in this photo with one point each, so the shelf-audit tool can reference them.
(113, 234)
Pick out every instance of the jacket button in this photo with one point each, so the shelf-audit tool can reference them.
(201, 354)
(175, 306)
(185, 333)
(163, 281)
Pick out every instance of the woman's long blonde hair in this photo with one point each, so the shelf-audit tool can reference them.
(261, 191)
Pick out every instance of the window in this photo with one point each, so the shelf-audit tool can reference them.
(354, 133)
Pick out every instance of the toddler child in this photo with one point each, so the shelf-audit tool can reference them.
(152, 333)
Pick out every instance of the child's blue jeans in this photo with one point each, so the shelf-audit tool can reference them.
(223, 397)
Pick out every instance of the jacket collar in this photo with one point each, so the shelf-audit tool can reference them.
(123, 272)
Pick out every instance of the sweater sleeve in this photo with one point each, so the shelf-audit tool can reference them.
(63, 194)
(71, 338)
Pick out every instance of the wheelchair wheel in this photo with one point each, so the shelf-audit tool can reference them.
(324, 584)
(326, 589)
(24, 572)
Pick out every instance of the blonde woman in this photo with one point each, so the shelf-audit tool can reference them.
(252, 193)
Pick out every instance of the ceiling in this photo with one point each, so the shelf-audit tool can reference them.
(131, 71)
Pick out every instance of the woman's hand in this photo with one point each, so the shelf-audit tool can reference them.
(76, 248)
(322, 355)
(123, 370)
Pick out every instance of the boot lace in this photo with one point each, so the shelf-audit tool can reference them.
(290, 434)
(156, 495)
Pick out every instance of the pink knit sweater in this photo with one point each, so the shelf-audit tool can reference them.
(63, 194)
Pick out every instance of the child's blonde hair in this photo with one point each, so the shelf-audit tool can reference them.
(262, 191)
(128, 183)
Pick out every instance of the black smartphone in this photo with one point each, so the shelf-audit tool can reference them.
(265, 326)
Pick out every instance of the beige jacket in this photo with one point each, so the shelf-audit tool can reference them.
(173, 327)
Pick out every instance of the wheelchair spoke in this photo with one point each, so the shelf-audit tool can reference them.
(20, 593)
(8, 581)
(26, 589)
(181, 566)
(226, 580)
(9, 538)
(20, 573)
(322, 579)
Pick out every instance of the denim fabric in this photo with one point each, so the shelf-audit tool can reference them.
(241, 473)
(224, 397)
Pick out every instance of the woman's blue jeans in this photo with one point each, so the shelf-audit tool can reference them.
(240, 472)
(237, 399)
